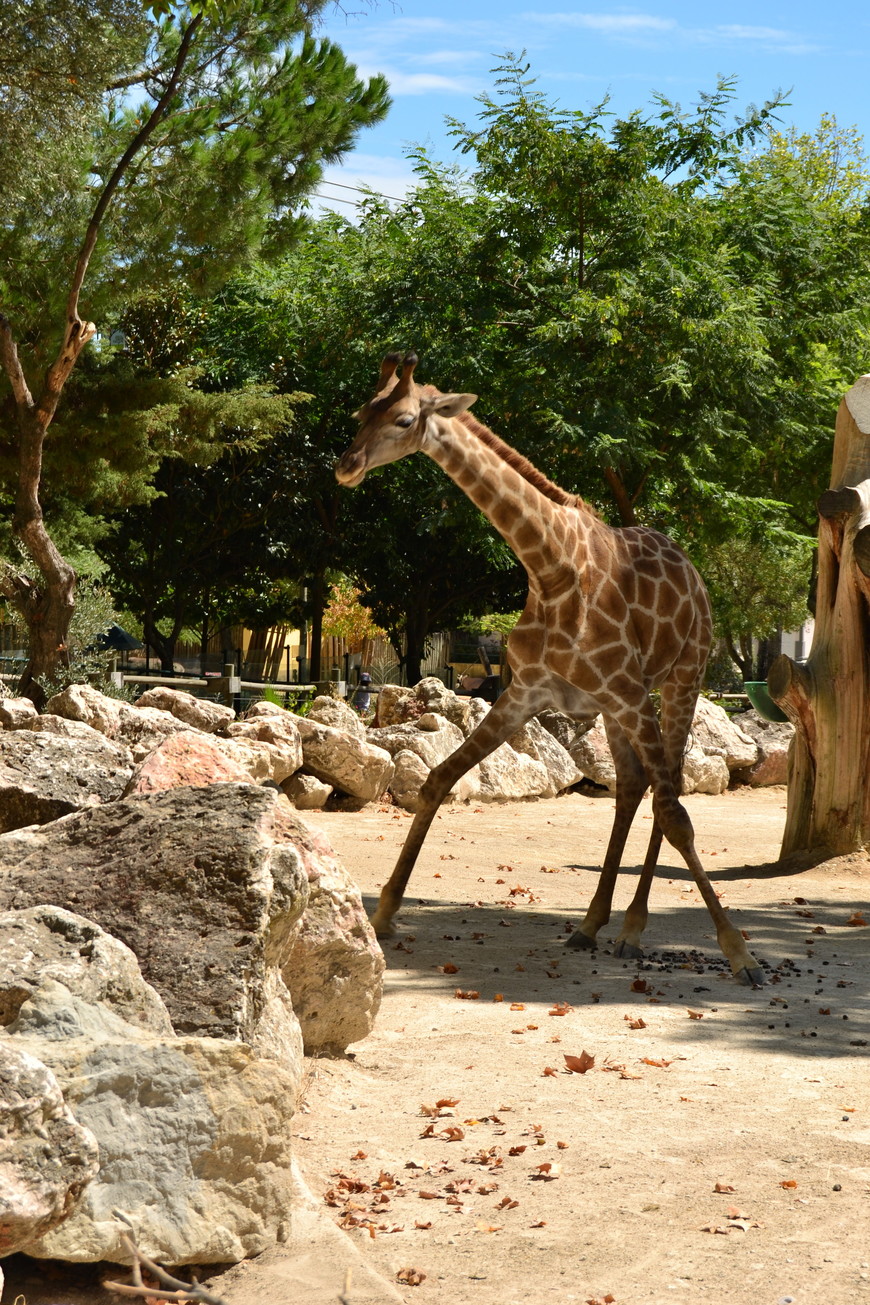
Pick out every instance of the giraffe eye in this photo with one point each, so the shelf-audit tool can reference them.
(405, 420)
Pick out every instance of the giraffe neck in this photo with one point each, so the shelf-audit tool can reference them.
(543, 533)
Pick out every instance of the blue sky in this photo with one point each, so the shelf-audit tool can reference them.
(438, 57)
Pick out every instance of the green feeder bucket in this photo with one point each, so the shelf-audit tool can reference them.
(758, 694)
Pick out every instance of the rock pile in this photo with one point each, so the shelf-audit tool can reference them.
(171, 936)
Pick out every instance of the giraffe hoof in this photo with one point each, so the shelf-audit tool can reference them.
(751, 976)
(581, 942)
(383, 928)
(627, 950)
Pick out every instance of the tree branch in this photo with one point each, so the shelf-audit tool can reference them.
(12, 366)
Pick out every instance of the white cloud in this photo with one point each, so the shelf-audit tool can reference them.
(609, 24)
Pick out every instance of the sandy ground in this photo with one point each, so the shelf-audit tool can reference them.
(718, 1149)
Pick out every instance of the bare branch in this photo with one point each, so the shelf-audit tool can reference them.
(12, 365)
(185, 1293)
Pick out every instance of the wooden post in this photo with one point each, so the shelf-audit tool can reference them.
(828, 699)
(229, 685)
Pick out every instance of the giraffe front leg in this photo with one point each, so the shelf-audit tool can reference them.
(511, 711)
(634, 921)
(630, 787)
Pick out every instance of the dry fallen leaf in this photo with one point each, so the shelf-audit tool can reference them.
(549, 1072)
(721, 1187)
(507, 1203)
(560, 1008)
(517, 1005)
(411, 1277)
(640, 985)
(635, 1023)
(788, 1182)
(423, 1226)
(856, 920)
(470, 995)
(547, 1171)
(579, 1064)
(695, 1014)
(499, 996)
(449, 968)
(659, 1064)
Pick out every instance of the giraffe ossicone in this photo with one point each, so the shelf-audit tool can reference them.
(611, 614)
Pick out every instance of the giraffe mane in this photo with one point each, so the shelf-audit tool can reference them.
(519, 463)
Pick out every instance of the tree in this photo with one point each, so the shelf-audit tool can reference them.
(206, 128)
(828, 699)
(758, 586)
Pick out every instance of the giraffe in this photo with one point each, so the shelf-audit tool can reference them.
(610, 615)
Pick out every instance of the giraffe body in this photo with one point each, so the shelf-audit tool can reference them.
(611, 614)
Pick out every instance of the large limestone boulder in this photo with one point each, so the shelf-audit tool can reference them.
(16, 713)
(334, 967)
(350, 764)
(591, 752)
(48, 942)
(337, 714)
(193, 1134)
(431, 736)
(506, 774)
(394, 704)
(44, 776)
(720, 735)
(196, 713)
(305, 792)
(47, 1158)
(190, 759)
(198, 882)
(140, 728)
(541, 745)
(704, 772)
(773, 740)
(275, 735)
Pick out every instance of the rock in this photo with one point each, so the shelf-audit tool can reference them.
(394, 704)
(337, 714)
(565, 728)
(773, 740)
(140, 728)
(197, 713)
(591, 752)
(44, 776)
(68, 729)
(193, 759)
(16, 713)
(47, 942)
(350, 764)
(411, 773)
(719, 735)
(262, 707)
(194, 1136)
(704, 772)
(334, 967)
(537, 742)
(280, 733)
(432, 737)
(47, 1158)
(506, 774)
(200, 883)
(306, 792)
(263, 762)
(85, 703)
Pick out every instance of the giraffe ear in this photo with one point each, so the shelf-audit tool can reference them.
(450, 405)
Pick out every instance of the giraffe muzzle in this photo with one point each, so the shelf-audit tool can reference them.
(350, 468)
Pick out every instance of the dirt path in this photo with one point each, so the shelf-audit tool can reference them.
(762, 1092)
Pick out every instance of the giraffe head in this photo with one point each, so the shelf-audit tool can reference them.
(395, 422)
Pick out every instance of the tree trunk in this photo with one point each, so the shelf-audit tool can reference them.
(318, 602)
(828, 699)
